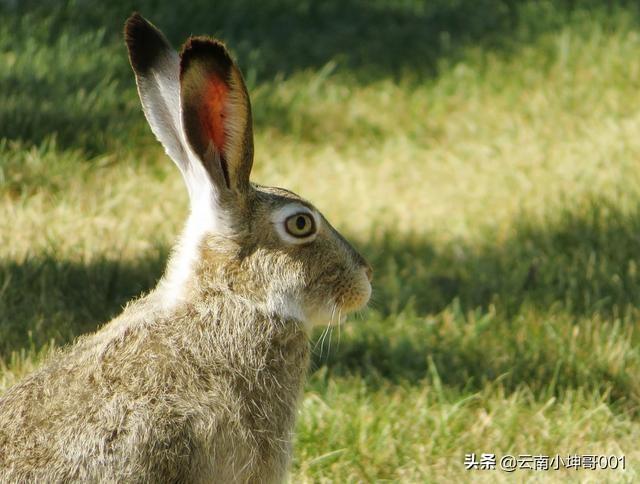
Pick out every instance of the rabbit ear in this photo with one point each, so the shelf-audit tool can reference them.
(157, 66)
(216, 113)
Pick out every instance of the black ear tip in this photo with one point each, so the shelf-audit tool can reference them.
(144, 41)
(206, 49)
(134, 27)
(134, 17)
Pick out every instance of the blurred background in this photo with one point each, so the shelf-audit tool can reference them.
(484, 156)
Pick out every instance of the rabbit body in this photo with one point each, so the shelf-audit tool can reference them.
(199, 380)
(186, 397)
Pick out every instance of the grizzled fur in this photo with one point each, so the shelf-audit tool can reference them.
(208, 392)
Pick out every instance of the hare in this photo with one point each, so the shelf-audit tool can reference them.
(198, 381)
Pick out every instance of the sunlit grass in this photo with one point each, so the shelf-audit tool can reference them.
(497, 198)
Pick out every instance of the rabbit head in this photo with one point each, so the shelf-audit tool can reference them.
(264, 244)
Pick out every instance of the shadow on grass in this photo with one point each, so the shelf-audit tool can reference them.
(584, 261)
(68, 73)
(43, 298)
(285, 36)
(507, 310)
(541, 356)
(466, 315)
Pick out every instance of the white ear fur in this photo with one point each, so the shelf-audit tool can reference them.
(157, 69)
(159, 92)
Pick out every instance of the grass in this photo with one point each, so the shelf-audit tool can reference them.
(482, 155)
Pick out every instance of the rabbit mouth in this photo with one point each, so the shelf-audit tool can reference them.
(354, 300)
(346, 295)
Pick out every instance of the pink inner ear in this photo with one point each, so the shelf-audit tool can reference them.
(212, 113)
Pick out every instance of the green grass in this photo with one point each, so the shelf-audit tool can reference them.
(482, 155)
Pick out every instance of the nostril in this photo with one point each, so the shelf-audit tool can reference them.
(369, 272)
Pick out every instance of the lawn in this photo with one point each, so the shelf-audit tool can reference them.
(483, 155)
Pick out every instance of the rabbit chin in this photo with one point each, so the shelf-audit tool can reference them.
(349, 298)
(324, 316)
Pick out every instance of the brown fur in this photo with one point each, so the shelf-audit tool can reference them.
(206, 393)
(201, 387)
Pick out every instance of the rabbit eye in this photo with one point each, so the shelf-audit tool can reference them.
(300, 225)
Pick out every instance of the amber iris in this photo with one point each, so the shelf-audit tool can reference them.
(300, 225)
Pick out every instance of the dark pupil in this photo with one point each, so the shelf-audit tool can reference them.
(300, 222)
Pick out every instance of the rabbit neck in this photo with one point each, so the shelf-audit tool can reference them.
(180, 277)
(246, 341)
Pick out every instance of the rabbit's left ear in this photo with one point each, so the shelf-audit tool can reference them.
(216, 113)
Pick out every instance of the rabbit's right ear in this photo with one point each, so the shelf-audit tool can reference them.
(216, 114)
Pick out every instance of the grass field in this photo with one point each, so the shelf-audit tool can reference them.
(484, 156)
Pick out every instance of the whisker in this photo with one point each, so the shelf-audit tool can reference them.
(331, 326)
(319, 340)
(323, 337)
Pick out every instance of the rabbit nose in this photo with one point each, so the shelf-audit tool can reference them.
(368, 270)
